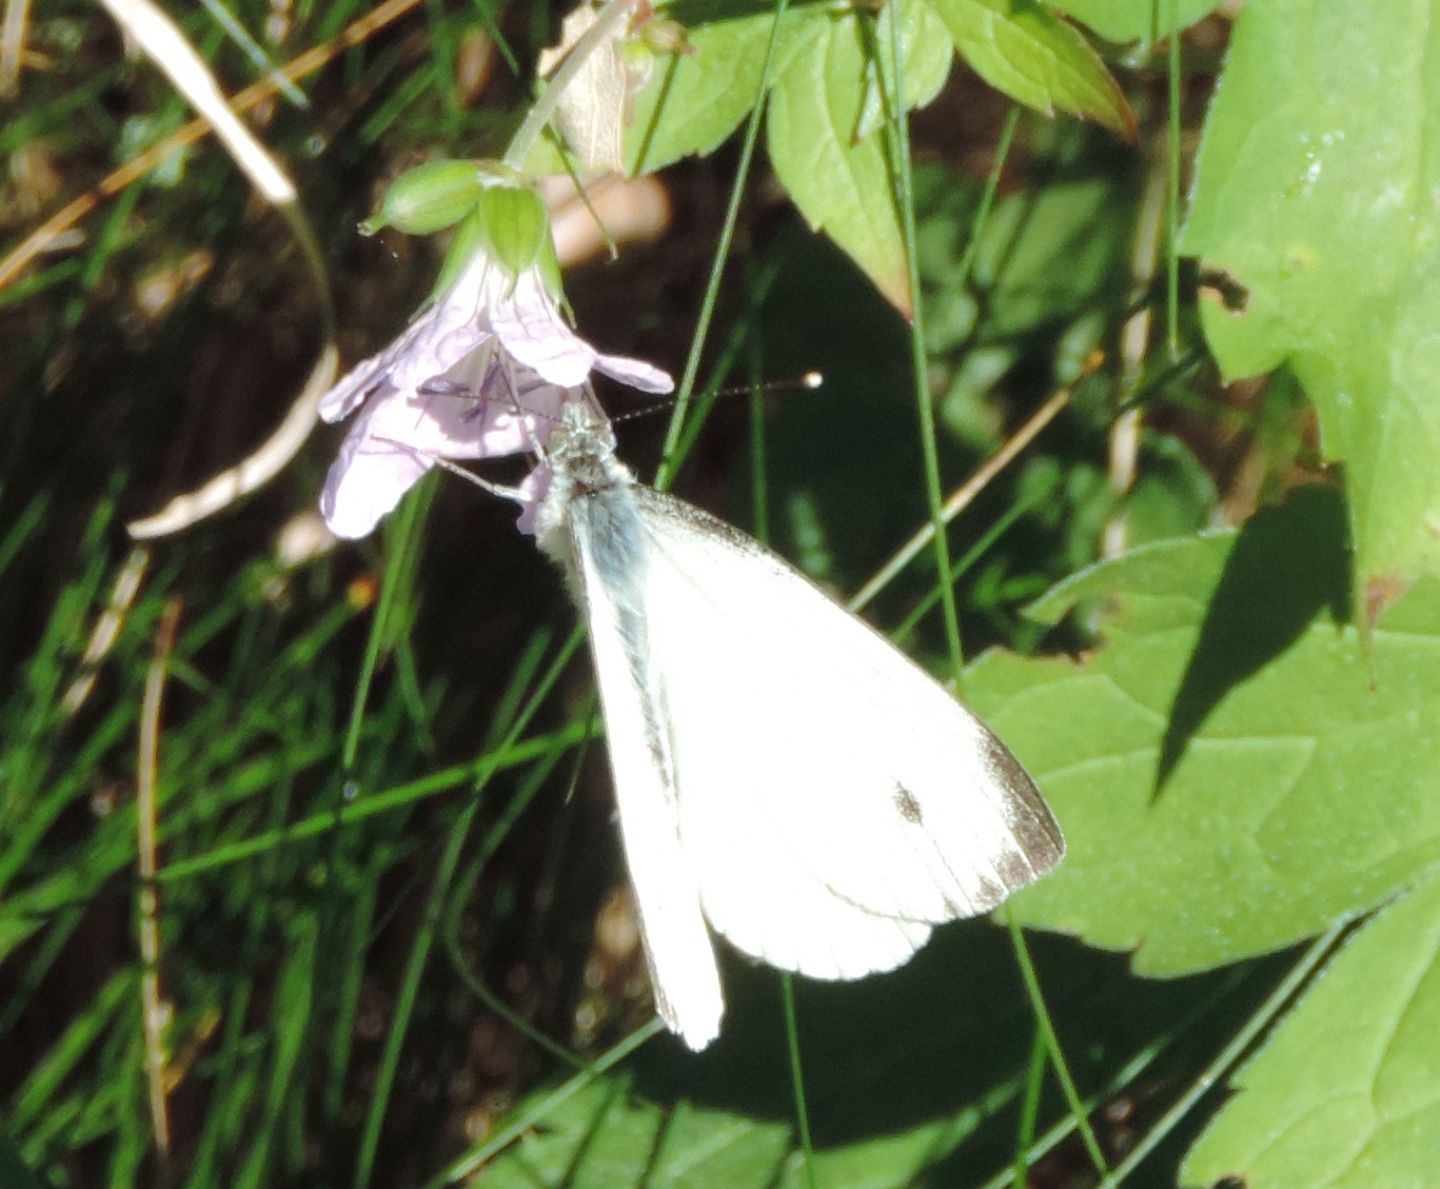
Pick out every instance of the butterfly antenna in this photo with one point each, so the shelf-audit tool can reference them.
(806, 381)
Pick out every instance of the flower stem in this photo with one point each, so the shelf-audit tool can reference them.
(604, 27)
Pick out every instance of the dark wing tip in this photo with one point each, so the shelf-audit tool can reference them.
(1040, 844)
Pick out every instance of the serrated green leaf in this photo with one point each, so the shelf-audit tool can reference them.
(1346, 1094)
(605, 1138)
(821, 103)
(1315, 190)
(1135, 20)
(694, 100)
(1023, 49)
(1233, 768)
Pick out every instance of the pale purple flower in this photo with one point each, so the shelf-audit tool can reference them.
(483, 372)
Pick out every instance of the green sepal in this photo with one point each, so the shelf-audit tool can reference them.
(517, 227)
(470, 238)
(549, 268)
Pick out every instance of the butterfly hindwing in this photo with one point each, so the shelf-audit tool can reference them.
(604, 538)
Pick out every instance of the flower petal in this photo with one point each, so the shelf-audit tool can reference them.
(350, 391)
(532, 491)
(365, 482)
(438, 338)
(642, 376)
(530, 328)
(398, 437)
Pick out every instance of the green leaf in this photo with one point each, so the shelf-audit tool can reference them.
(1135, 20)
(1345, 1093)
(1315, 190)
(1023, 49)
(604, 1137)
(823, 102)
(693, 101)
(607, 1138)
(1233, 769)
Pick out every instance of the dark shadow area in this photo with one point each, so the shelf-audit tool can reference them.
(1288, 565)
(951, 1033)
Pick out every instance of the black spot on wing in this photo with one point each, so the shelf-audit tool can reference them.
(909, 807)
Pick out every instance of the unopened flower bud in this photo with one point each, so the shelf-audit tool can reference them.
(429, 198)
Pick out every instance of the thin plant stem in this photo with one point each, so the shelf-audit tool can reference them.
(963, 495)
(666, 471)
(1126, 1075)
(253, 50)
(514, 809)
(1172, 246)
(797, 1079)
(1263, 1018)
(905, 204)
(741, 336)
(1030, 1107)
(152, 1004)
(1052, 1043)
(759, 478)
(997, 529)
(406, 997)
(411, 513)
(987, 195)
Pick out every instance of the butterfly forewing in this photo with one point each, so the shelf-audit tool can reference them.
(833, 799)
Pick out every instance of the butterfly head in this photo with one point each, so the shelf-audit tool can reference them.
(580, 451)
(578, 462)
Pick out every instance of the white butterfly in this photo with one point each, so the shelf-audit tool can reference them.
(782, 771)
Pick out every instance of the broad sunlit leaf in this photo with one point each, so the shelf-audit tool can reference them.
(1314, 192)
(1344, 1093)
(1233, 767)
